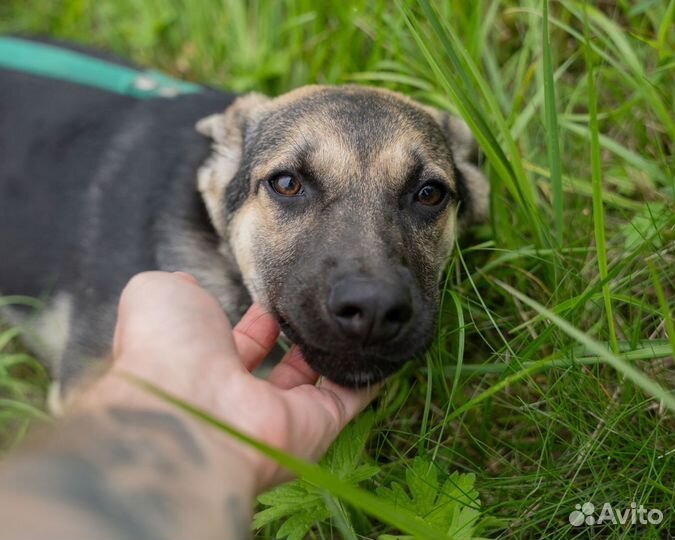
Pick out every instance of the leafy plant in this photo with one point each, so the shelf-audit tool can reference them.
(451, 507)
(301, 505)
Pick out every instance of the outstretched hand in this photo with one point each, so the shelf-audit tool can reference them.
(173, 334)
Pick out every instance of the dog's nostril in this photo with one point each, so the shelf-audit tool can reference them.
(399, 314)
(349, 312)
(370, 310)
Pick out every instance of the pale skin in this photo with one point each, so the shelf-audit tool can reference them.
(122, 463)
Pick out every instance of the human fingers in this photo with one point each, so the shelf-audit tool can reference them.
(345, 403)
(189, 278)
(292, 371)
(255, 335)
(317, 415)
(167, 316)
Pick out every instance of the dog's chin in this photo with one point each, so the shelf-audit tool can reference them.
(354, 367)
(351, 369)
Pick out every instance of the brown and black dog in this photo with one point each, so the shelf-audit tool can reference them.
(334, 207)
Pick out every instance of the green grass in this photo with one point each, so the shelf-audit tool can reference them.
(22, 385)
(552, 374)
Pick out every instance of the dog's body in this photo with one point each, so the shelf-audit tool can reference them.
(95, 187)
(309, 204)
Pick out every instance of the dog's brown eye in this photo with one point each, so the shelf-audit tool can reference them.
(286, 185)
(431, 194)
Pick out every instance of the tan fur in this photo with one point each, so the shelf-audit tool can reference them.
(227, 131)
(243, 230)
(307, 91)
(334, 159)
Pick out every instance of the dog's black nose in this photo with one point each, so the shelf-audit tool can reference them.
(370, 310)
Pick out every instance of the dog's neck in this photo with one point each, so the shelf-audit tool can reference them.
(193, 243)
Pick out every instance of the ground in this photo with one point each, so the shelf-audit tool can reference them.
(552, 374)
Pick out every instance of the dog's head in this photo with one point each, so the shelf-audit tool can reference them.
(341, 206)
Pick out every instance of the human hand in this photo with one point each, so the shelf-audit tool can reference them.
(173, 334)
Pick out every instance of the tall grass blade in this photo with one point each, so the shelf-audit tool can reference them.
(649, 351)
(665, 308)
(650, 386)
(551, 116)
(665, 28)
(464, 84)
(596, 176)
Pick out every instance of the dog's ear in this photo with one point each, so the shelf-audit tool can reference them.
(474, 188)
(227, 130)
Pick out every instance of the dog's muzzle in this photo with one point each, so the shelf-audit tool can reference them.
(368, 310)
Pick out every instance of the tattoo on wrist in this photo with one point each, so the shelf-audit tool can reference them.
(160, 421)
(136, 472)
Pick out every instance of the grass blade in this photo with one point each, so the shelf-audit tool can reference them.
(667, 314)
(658, 350)
(551, 116)
(368, 502)
(650, 386)
(596, 176)
(458, 82)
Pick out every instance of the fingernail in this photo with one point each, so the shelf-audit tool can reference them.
(187, 277)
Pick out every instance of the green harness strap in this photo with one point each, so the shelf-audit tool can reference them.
(57, 63)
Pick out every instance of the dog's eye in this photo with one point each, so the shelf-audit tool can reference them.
(431, 194)
(286, 185)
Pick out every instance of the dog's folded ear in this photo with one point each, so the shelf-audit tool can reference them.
(473, 185)
(227, 130)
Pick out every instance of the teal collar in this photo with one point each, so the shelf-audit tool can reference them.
(57, 63)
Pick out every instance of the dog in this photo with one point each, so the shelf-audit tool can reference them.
(334, 207)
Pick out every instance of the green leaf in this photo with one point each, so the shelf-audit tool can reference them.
(301, 505)
(451, 507)
(297, 526)
(346, 452)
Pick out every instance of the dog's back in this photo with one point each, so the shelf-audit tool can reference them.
(88, 179)
(51, 133)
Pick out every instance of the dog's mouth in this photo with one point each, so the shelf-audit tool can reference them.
(353, 366)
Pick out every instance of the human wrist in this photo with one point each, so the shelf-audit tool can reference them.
(129, 465)
(222, 456)
(210, 473)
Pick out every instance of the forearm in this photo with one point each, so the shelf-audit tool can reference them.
(128, 465)
(125, 468)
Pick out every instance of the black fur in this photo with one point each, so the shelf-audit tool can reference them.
(96, 187)
(86, 177)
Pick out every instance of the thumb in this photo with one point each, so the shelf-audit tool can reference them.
(169, 317)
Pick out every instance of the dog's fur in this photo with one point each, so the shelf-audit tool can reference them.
(95, 187)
